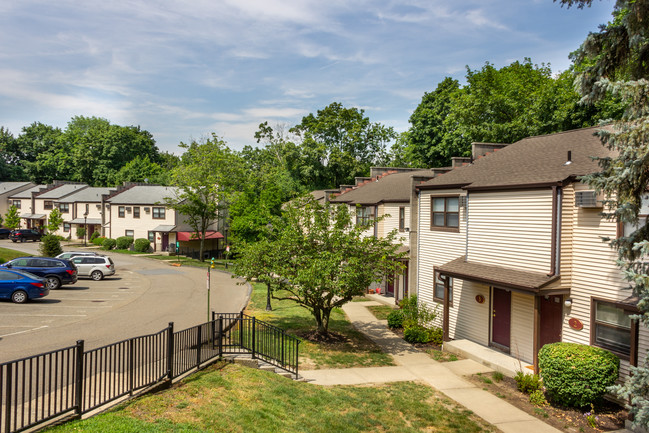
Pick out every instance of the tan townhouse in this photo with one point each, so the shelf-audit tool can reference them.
(7, 190)
(511, 252)
(83, 210)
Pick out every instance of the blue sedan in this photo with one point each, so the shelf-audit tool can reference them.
(21, 286)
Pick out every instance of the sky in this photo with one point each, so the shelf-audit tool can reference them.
(183, 70)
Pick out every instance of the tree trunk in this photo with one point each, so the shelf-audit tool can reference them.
(268, 306)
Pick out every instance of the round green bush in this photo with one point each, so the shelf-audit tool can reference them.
(436, 335)
(124, 242)
(416, 334)
(50, 246)
(395, 319)
(577, 375)
(94, 236)
(142, 245)
(99, 241)
(108, 244)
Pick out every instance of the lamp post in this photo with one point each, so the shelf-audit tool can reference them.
(85, 229)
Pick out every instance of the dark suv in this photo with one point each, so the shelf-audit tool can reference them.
(56, 272)
(23, 235)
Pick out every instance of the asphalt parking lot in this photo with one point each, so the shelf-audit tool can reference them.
(143, 297)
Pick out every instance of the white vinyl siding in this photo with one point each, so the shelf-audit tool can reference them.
(511, 229)
(522, 327)
(567, 227)
(437, 248)
(467, 318)
(392, 222)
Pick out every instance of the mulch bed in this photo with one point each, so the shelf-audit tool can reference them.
(609, 417)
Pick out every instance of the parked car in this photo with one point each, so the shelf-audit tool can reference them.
(4, 233)
(20, 286)
(96, 267)
(69, 254)
(23, 235)
(56, 272)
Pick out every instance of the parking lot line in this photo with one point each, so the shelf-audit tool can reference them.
(22, 332)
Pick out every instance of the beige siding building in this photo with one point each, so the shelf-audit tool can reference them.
(519, 261)
(7, 190)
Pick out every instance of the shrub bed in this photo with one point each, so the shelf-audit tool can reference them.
(577, 375)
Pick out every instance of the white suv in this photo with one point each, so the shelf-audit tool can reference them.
(95, 267)
(68, 255)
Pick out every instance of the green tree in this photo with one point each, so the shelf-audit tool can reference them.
(54, 221)
(50, 246)
(39, 151)
(10, 169)
(615, 60)
(207, 178)
(141, 169)
(258, 261)
(339, 144)
(326, 258)
(12, 218)
(432, 140)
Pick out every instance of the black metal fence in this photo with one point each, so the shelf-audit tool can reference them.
(73, 381)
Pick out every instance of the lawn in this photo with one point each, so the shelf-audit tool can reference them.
(381, 312)
(352, 349)
(232, 398)
(7, 254)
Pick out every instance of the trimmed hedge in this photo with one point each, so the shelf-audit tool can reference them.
(142, 245)
(108, 244)
(124, 242)
(99, 241)
(577, 375)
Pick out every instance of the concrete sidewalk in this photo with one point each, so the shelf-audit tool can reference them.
(413, 365)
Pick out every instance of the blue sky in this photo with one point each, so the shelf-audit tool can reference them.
(185, 69)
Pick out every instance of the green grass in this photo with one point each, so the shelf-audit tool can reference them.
(355, 350)
(7, 254)
(239, 399)
(184, 261)
(441, 356)
(380, 311)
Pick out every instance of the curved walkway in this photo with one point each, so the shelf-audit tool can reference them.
(413, 365)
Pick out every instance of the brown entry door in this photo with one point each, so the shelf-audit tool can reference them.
(389, 289)
(165, 241)
(551, 319)
(501, 313)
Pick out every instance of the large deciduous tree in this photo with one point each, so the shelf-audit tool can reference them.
(339, 144)
(615, 60)
(207, 176)
(325, 258)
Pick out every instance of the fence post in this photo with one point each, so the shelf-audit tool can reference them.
(241, 330)
(198, 347)
(220, 336)
(131, 365)
(253, 337)
(78, 380)
(8, 399)
(170, 351)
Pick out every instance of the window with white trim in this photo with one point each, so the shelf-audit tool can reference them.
(364, 215)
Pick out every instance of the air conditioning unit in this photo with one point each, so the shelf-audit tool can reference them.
(588, 199)
(128, 209)
(98, 206)
(462, 201)
(147, 209)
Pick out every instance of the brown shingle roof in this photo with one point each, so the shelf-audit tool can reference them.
(532, 161)
(393, 187)
(499, 276)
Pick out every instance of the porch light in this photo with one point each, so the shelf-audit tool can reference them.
(568, 302)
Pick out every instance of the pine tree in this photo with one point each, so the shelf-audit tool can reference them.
(615, 61)
(12, 218)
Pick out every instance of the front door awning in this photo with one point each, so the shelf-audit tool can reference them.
(498, 276)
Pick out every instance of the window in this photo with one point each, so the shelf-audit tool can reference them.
(402, 219)
(158, 213)
(120, 212)
(47, 204)
(66, 227)
(445, 213)
(87, 208)
(64, 207)
(151, 236)
(129, 233)
(613, 328)
(438, 294)
(136, 212)
(17, 203)
(364, 215)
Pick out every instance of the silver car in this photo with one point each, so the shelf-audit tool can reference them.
(69, 254)
(96, 267)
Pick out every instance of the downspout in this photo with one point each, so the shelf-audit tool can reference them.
(556, 231)
(418, 241)
(466, 212)
(557, 267)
